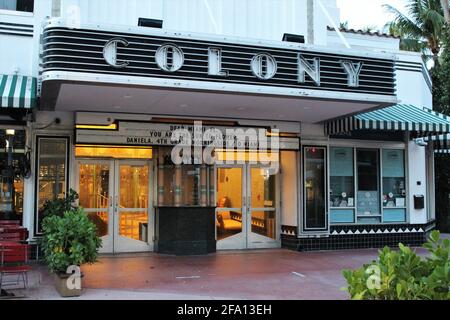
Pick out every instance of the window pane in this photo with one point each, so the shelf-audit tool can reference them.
(133, 186)
(394, 189)
(17, 5)
(368, 186)
(52, 179)
(315, 188)
(263, 188)
(342, 194)
(190, 186)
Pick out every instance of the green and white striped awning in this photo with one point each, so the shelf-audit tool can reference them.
(401, 117)
(17, 91)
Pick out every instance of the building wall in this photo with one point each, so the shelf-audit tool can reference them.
(243, 18)
(289, 188)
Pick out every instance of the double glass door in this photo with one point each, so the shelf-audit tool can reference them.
(247, 211)
(116, 195)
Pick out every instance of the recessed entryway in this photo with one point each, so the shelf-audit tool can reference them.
(116, 195)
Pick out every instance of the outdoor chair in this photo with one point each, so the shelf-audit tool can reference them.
(9, 223)
(14, 261)
(11, 236)
(23, 232)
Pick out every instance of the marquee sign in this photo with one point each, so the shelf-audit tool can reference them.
(160, 134)
(156, 56)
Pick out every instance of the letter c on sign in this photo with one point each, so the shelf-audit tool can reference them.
(110, 53)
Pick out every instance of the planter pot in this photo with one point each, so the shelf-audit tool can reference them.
(63, 288)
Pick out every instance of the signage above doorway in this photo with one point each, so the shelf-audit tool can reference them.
(162, 54)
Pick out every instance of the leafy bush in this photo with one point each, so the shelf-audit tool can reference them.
(403, 275)
(57, 207)
(70, 239)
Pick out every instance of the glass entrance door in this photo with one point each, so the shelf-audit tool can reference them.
(96, 188)
(231, 227)
(116, 196)
(131, 206)
(247, 211)
(262, 208)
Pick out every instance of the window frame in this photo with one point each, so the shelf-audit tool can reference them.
(19, 12)
(37, 231)
(326, 228)
(380, 148)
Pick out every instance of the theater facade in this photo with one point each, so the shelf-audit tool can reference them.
(182, 142)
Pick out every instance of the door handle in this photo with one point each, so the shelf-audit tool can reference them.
(116, 204)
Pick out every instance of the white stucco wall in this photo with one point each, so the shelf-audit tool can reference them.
(289, 188)
(363, 42)
(243, 18)
(416, 175)
(413, 85)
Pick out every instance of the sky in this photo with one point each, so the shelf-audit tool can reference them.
(363, 13)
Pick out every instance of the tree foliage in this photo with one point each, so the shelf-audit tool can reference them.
(421, 28)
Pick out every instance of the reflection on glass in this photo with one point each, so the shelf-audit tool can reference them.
(342, 194)
(229, 223)
(263, 188)
(94, 185)
(190, 187)
(368, 189)
(315, 188)
(134, 225)
(133, 186)
(264, 223)
(394, 190)
(51, 172)
(183, 185)
(100, 219)
(229, 187)
(229, 195)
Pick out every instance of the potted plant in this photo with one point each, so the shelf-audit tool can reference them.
(69, 241)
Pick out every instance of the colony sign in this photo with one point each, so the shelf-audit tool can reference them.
(216, 64)
(170, 58)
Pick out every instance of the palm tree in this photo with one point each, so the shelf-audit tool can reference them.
(423, 24)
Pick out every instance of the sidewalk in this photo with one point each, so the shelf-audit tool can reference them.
(258, 275)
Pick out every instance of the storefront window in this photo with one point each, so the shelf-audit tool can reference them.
(52, 172)
(394, 187)
(368, 196)
(342, 185)
(315, 188)
(14, 164)
(17, 5)
(394, 191)
(342, 180)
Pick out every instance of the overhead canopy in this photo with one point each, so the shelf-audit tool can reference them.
(17, 91)
(401, 117)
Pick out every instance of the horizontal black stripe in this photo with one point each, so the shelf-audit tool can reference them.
(17, 30)
(29, 35)
(17, 24)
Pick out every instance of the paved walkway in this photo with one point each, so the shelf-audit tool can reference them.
(265, 274)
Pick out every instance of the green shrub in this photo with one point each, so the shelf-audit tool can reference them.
(57, 207)
(403, 275)
(70, 239)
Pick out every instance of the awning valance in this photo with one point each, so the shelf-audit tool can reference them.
(401, 117)
(17, 91)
